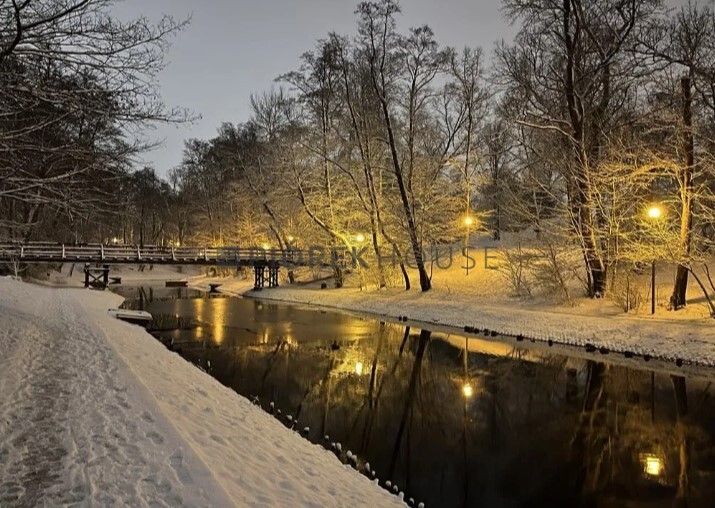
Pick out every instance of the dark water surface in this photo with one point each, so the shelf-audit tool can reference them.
(496, 426)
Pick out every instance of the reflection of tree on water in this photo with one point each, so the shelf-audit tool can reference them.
(409, 399)
(681, 408)
(623, 448)
(586, 435)
(372, 407)
(537, 430)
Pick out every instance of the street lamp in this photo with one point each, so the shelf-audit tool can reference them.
(654, 213)
(359, 238)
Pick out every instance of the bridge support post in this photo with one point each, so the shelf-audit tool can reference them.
(260, 273)
(273, 275)
(96, 277)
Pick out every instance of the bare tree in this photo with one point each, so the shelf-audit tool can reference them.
(76, 87)
(569, 65)
(686, 42)
(380, 43)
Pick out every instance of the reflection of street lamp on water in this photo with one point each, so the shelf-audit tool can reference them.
(467, 388)
(652, 464)
(654, 213)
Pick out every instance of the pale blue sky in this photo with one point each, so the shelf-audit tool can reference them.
(235, 47)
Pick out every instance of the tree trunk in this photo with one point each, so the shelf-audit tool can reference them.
(425, 282)
(677, 299)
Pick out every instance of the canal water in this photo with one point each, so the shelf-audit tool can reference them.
(452, 421)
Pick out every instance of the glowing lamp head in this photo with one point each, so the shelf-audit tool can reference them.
(467, 391)
(359, 238)
(290, 238)
(654, 212)
(468, 221)
(358, 368)
(265, 246)
(115, 240)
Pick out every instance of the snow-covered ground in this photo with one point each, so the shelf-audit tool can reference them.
(94, 411)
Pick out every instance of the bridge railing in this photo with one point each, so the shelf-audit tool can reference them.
(54, 252)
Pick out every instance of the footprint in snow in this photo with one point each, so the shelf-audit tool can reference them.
(155, 437)
(176, 461)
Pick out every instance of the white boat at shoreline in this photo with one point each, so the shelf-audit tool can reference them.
(137, 317)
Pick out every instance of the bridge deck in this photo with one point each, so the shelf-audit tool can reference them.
(132, 254)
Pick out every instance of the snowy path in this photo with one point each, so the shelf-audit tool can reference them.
(95, 411)
(692, 341)
(74, 428)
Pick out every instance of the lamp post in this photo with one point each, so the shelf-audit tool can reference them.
(468, 222)
(654, 212)
(359, 240)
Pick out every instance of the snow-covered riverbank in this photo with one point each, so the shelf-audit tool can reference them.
(95, 411)
(482, 301)
(692, 341)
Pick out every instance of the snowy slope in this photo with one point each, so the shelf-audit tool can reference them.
(95, 411)
(75, 426)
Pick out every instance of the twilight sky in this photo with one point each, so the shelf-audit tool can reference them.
(235, 47)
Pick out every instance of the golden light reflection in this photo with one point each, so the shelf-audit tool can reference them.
(652, 464)
(358, 368)
(219, 319)
(199, 304)
(467, 391)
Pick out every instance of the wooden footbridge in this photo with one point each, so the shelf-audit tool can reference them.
(265, 262)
